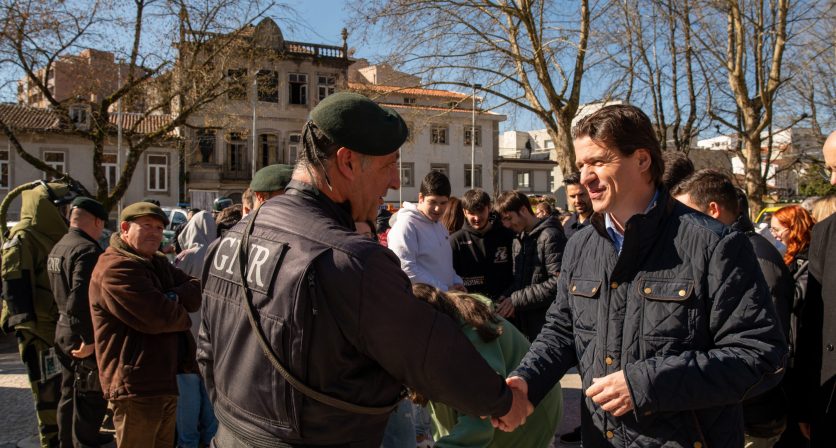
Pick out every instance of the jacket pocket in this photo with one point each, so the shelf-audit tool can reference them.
(667, 309)
(583, 302)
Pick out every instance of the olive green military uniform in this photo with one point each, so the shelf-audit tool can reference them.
(29, 307)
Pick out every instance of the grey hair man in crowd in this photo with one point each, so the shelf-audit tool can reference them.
(664, 311)
(310, 329)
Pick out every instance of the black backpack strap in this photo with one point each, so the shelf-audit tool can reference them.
(243, 253)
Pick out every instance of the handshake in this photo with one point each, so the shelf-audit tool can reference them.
(610, 392)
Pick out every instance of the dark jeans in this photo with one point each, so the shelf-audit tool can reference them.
(145, 422)
(80, 412)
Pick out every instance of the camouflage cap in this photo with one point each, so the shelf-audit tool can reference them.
(358, 123)
(138, 209)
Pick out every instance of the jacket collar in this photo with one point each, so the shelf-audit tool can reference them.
(84, 235)
(340, 212)
(640, 235)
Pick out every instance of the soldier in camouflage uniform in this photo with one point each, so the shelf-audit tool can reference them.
(29, 307)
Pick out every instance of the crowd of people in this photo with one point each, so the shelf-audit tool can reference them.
(311, 316)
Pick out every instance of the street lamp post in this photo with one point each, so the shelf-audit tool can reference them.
(473, 137)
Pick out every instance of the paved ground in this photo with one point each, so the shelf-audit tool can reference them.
(17, 421)
(19, 427)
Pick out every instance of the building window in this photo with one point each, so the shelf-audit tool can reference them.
(551, 181)
(56, 160)
(470, 130)
(407, 174)
(79, 116)
(267, 83)
(443, 168)
(478, 180)
(438, 134)
(4, 170)
(548, 143)
(268, 144)
(206, 145)
(294, 143)
(522, 180)
(157, 172)
(110, 170)
(298, 84)
(236, 83)
(410, 128)
(236, 154)
(408, 100)
(325, 85)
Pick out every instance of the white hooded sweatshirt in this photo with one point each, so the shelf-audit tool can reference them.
(423, 246)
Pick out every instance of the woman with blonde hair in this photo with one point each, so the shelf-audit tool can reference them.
(824, 207)
(502, 346)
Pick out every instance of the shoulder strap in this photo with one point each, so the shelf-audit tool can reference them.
(243, 253)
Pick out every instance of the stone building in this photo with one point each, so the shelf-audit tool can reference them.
(272, 85)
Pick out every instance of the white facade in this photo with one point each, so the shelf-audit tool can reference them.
(155, 175)
(440, 124)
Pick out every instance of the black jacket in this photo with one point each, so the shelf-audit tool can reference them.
(70, 267)
(537, 256)
(815, 360)
(573, 225)
(483, 258)
(683, 311)
(771, 406)
(339, 313)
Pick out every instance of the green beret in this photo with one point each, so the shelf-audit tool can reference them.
(271, 178)
(358, 123)
(138, 209)
(91, 206)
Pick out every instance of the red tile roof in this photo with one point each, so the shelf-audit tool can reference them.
(359, 86)
(26, 118)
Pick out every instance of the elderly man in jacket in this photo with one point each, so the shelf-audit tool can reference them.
(664, 310)
(140, 307)
(309, 329)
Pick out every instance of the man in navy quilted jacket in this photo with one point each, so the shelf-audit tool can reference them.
(663, 309)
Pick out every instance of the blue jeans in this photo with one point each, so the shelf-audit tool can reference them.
(400, 430)
(195, 418)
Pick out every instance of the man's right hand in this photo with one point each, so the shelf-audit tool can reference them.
(521, 408)
(83, 351)
(505, 308)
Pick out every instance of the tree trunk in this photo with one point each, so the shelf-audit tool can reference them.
(755, 185)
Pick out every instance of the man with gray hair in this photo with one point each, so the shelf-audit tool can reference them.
(309, 329)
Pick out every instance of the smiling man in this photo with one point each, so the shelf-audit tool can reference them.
(421, 241)
(310, 330)
(482, 247)
(140, 307)
(664, 311)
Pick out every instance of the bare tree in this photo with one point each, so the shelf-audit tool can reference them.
(752, 58)
(650, 44)
(530, 54)
(36, 34)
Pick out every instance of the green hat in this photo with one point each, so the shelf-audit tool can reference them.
(358, 123)
(138, 209)
(271, 178)
(91, 206)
